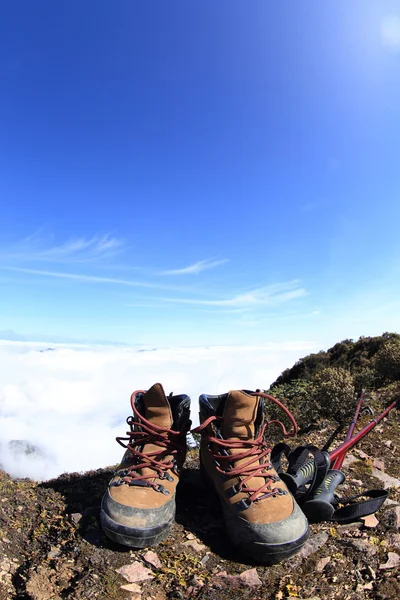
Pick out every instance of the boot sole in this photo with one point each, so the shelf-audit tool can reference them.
(268, 554)
(134, 538)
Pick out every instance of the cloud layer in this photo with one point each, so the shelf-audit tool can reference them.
(71, 402)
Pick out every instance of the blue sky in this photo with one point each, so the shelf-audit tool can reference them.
(200, 172)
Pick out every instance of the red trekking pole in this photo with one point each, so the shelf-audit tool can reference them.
(337, 456)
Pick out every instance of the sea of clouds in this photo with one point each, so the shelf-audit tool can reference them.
(68, 403)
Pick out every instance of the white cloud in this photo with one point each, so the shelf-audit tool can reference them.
(196, 268)
(71, 403)
(84, 278)
(271, 295)
(36, 248)
(390, 31)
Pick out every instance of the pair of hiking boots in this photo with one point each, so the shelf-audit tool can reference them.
(260, 514)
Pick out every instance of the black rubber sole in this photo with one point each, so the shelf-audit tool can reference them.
(134, 538)
(270, 554)
(267, 554)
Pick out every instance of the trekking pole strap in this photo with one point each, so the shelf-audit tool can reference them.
(353, 511)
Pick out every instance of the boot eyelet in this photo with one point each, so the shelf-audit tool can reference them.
(161, 488)
(243, 505)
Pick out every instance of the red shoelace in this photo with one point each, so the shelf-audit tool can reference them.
(149, 433)
(256, 450)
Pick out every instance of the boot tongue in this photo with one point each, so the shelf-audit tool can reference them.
(239, 415)
(157, 408)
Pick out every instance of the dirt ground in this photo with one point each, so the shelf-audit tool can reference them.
(52, 547)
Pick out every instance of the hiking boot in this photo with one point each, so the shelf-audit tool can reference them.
(138, 508)
(260, 514)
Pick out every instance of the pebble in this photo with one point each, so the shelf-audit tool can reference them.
(392, 561)
(152, 559)
(194, 545)
(378, 464)
(75, 518)
(135, 572)
(370, 521)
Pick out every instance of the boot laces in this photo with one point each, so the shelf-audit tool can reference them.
(255, 450)
(143, 432)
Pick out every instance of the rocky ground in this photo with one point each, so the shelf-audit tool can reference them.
(52, 547)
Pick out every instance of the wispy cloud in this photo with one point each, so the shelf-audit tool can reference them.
(272, 295)
(390, 31)
(196, 268)
(85, 278)
(36, 248)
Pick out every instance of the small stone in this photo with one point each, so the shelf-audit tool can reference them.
(348, 528)
(378, 464)
(135, 572)
(357, 482)
(131, 587)
(321, 564)
(392, 517)
(370, 521)
(367, 548)
(393, 539)
(54, 552)
(371, 572)
(387, 480)
(194, 545)
(388, 443)
(368, 586)
(348, 460)
(75, 518)
(152, 559)
(313, 544)
(197, 582)
(392, 561)
(250, 578)
(190, 536)
(361, 453)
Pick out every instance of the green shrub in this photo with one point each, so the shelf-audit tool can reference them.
(387, 362)
(334, 393)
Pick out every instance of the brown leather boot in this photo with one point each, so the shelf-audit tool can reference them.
(261, 516)
(138, 508)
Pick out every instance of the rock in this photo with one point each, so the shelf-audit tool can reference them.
(197, 582)
(361, 453)
(190, 536)
(388, 443)
(349, 460)
(391, 517)
(250, 578)
(135, 572)
(194, 545)
(313, 544)
(321, 564)
(152, 559)
(392, 561)
(357, 482)
(348, 528)
(368, 586)
(131, 587)
(370, 521)
(223, 579)
(378, 464)
(54, 552)
(75, 518)
(393, 539)
(386, 479)
(366, 548)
